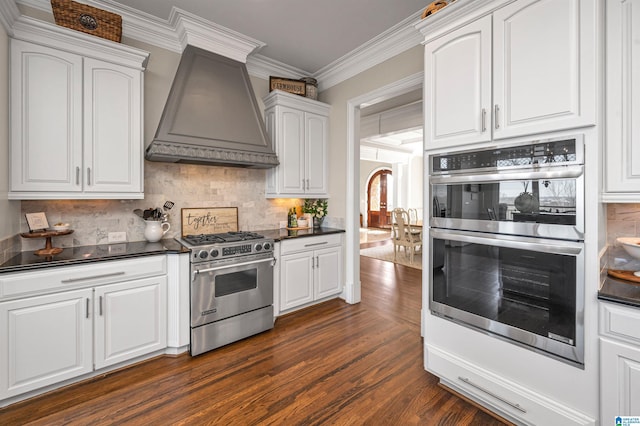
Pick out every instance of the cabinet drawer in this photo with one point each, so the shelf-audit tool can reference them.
(620, 322)
(505, 398)
(310, 243)
(62, 278)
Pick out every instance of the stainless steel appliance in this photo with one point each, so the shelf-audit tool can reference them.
(231, 287)
(507, 243)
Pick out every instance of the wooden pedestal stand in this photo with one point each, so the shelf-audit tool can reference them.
(48, 249)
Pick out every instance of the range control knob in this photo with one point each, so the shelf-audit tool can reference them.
(214, 253)
(267, 246)
(257, 247)
(202, 254)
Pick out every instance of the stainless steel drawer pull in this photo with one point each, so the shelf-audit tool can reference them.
(94, 277)
(317, 261)
(484, 120)
(87, 308)
(317, 244)
(77, 175)
(488, 392)
(100, 305)
(496, 110)
(88, 175)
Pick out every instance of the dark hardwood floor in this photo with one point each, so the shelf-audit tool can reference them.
(333, 363)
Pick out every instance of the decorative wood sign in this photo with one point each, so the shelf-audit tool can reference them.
(212, 220)
(296, 87)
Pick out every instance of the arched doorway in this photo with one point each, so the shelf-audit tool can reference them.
(379, 194)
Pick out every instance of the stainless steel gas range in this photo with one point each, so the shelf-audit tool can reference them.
(231, 287)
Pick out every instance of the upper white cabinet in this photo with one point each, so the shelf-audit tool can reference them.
(457, 102)
(76, 116)
(527, 68)
(299, 129)
(622, 142)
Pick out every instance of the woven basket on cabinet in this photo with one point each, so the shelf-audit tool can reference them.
(88, 19)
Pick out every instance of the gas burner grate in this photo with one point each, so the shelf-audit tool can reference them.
(225, 237)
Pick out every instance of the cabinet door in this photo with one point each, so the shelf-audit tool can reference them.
(44, 340)
(620, 380)
(543, 74)
(328, 272)
(316, 129)
(291, 155)
(112, 131)
(130, 320)
(296, 280)
(458, 87)
(622, 153)
(46, 119)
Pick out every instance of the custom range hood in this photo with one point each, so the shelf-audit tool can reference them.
(211, 116)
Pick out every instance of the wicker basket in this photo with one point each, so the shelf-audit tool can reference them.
(88, 19)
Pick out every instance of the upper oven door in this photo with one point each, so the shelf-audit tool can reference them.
(545, 203)
(220, 292)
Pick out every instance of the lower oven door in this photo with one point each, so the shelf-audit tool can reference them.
(223, 291)
(527, 290)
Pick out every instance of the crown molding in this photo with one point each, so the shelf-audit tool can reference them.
(9, 13)
(184, 28)
(390, 43)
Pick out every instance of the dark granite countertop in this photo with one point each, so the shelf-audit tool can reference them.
(619, 291)
(285, 234)
(27, 260)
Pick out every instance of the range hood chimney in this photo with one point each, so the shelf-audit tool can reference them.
(212, 116)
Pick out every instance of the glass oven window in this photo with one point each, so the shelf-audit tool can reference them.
(538, 201)
(236, 282)
(529, 290)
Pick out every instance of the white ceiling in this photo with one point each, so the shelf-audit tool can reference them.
(308, 35)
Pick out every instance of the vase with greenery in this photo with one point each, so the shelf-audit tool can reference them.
(317, 208)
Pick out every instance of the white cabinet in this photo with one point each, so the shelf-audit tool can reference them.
(299, 131)
(506, 75)
(622, 142)
(45, 340)
(130, 320)
(619, 361)
(310, 270)
(76, 120)
(62, 323)
(457, 102)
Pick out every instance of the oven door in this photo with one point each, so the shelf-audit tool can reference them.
(223, 291)
(540, 203)
(526, 290)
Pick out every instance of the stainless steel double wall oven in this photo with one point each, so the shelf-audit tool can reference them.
(506, 241)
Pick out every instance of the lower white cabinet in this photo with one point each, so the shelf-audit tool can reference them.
(130, 320)
(310, 270)
(93, 316)
(619, 362)
(45, 340)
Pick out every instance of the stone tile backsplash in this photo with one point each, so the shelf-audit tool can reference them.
(623, 220)
(188, 186)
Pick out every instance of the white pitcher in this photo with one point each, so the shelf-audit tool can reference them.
(155, 230)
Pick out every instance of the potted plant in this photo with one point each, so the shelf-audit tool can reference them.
(317, 208)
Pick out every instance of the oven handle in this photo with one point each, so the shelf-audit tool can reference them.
(235, 265)
(568, 248)
(557, 173)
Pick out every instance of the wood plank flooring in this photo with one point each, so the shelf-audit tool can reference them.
(333, 364)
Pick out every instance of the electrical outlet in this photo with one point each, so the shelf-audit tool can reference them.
(117, 237)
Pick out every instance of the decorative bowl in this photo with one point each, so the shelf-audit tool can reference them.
(631, 245)
(60, 227)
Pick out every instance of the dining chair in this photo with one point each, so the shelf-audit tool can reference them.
(403, 236)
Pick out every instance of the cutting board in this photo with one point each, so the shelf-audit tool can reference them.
(623, 275)
(209, 220)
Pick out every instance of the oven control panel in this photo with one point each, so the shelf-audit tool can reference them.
(231, 250)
